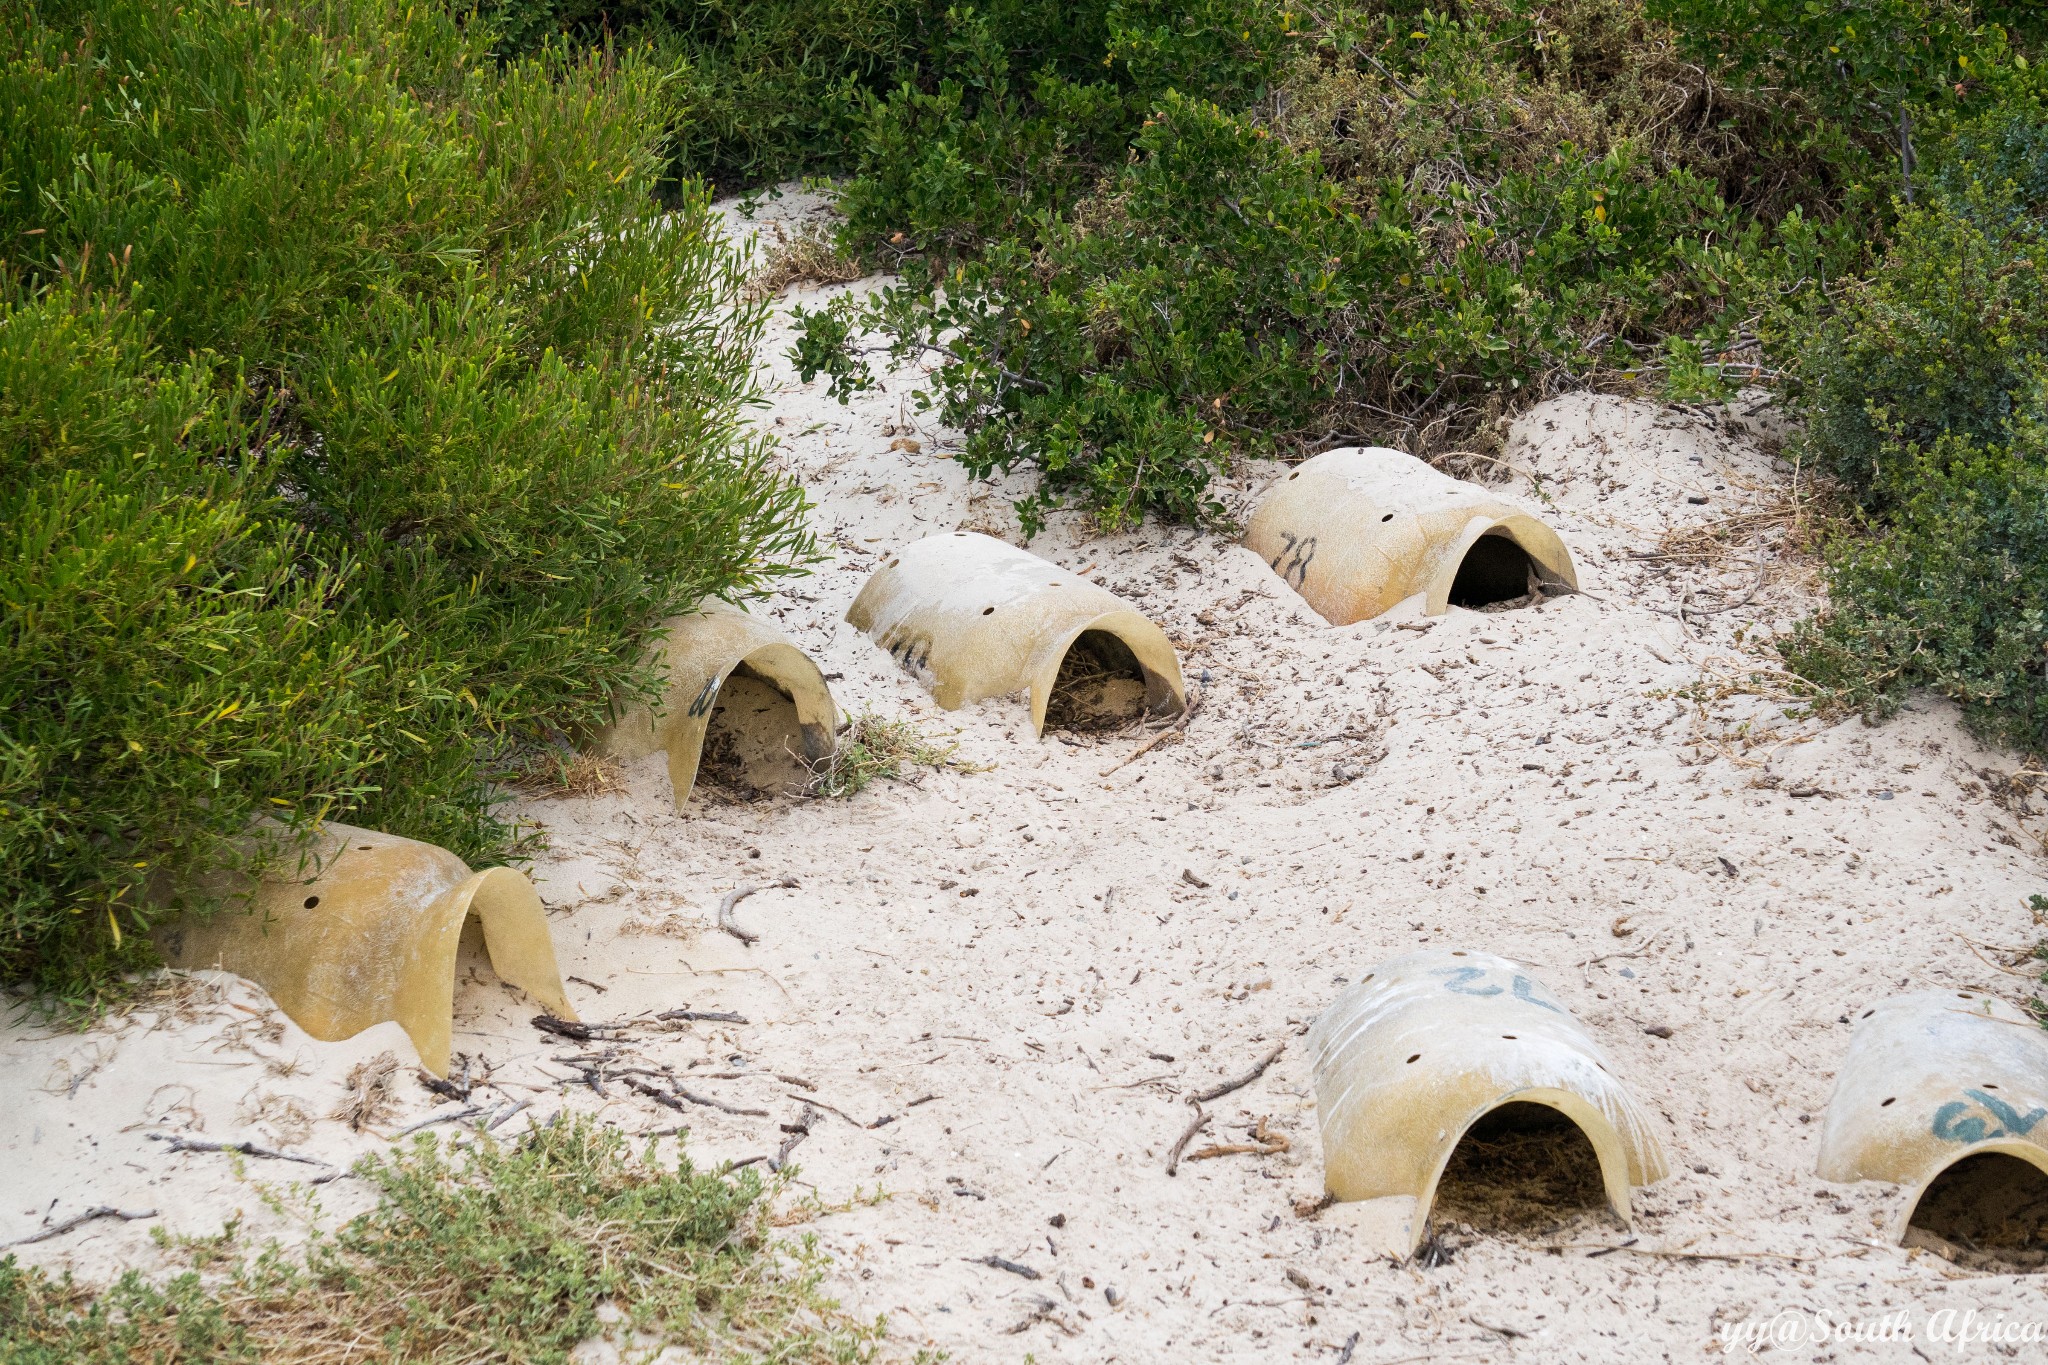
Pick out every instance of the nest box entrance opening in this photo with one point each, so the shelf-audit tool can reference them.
(1495, 571)
(1101, 686)
(1989, 1210)
(1520, 1167)
(753, 742)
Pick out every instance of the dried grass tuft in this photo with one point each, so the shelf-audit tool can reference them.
(809, 257)
(370, 1097)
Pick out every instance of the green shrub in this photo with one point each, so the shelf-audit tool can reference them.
(1947, 340)
(394, 341)
(994, 145)
(755, 91)
(1948, 591)
(171, 666)
(508, 1252)
(955, 121)
(1445, 221)
(1925, 388)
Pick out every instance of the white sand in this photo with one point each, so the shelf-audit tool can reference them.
(1515, 781)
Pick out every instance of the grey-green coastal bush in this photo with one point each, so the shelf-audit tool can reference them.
(1428, 222)
(361, 412)
(1925, 388)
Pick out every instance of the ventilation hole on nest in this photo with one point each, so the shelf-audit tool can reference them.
(1388, 517)
(1416, 1058)
(752, 739)
(1521, 1167)
(1889, 1102)
(1960, 995)
(1495, 570)
(363, 847)
(312, 901)
(1509, 1036)
(988, 611)
(1868, 1013)
(1100, 686)
(1368, 976)
(1988, 1085)
(1986, 1210)
(1295, 475)
(892, 563)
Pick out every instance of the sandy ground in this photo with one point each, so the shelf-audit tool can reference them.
(997, 985)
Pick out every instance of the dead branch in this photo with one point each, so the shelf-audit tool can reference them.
(80, 1220)
(1217, 1092)
(734, 897)
(1173, 1157)
(179, 1143)
(1187, 713)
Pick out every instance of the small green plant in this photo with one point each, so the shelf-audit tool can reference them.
(508, 1251)
(878, 748)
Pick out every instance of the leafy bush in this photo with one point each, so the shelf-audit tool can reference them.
(1445, 220)
(1926, 390)
(1943, 349)
(1883, 68)
(393, 345)
(1948, 592)
(956, 120)
(510, 1252)
(756, 89)
(169, 663)
(981, 154)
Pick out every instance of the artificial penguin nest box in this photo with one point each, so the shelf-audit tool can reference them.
(741, 699)
(1357, 530)
(1946, 1093)
(362, 928)
(971, 617)
(1414, 1057)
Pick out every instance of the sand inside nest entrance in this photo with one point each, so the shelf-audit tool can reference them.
(753, 740)
(1523, 1167)
(1496, 573)
(1101, 686)
(1988, 1211)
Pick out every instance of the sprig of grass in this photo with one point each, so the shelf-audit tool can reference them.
(880, 747)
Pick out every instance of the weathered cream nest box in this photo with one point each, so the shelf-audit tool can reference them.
(1946, 1093)
(361, 928)
(1358, 530)
(740, 696)
(971, 617)
(1408, 1060)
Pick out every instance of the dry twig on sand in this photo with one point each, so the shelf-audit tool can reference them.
(1219, 1090)
(80, 1220)
(734, 897)
(180, 1143)
(1173, 1157)
(1187, 713)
